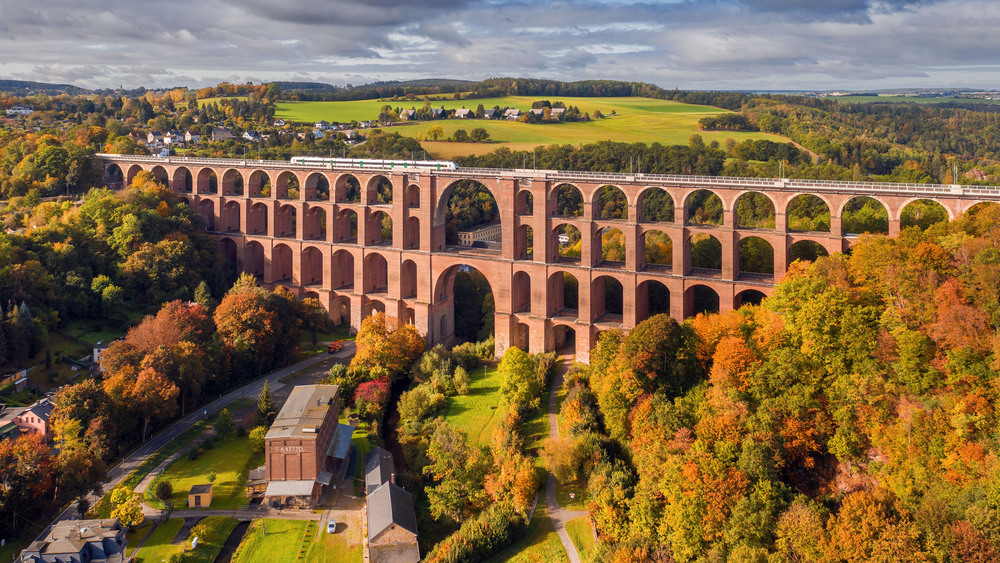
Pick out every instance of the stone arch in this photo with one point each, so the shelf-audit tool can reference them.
(652, 297)
(607, 299)
(446, 299)
(182, 182)
(285, 221)
(206, 208)
(310, 295)
(340, 309)
(754, 210)
(748, 297)
(520, 292)
(656, 206)
(568, 201)
(520, 336)
(408, 280)
(253, 259)
(442, 207)
(700, 298)
(347, 226)
(347, 189)
(317, 187)
(923, 213)
(281, 263)
(706, 253)
(408, 316)
(703, 207)
(161, 175)
(566, 243)
(756, 256)
(412, 198)
(864, 214)
(610, 203)
(314, 225)
(379, 228)
(611, 243)
(375, 273)
(524, 244)
(286, 186)
(233, 182)
(227, 248)
(342, 270)
(373, 306)
(657, 249)
(311, 266)
(257, 219)
(208, 182)
(523, 202)
(808, 213)
(411, 234)
(379, 190)
(114, 178)
(131, 174)
(806, 250)
(259, 184)
(564, 295)
(564, 339)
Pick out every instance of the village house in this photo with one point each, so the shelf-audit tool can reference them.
(35, 419)
(379, 469)
(392, 526)
(323, 124)
(464, 113)
(279, 122)
(154, 138)
(20, 110)
(489, 113)
(91, 541)
(318, 134)
(407, 114)
(173, 138)
(192, 137)
(221, 134)
(252, 136)
(512, 113)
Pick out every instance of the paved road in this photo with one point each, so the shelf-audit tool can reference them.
(251, 390)
(558, 514)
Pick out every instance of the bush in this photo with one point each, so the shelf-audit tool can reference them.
(192, 454)
(461, 381)
(207, 444)
(164, 490)
(241, 431)
(482, 536)
(257, 439)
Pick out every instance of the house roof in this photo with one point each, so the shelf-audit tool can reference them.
(304, 411)
(379, 468)
(463, 111)
(387, 505)
(72, 536)
(200, 489)
(301, 488)
(341, 442)
(42, 409)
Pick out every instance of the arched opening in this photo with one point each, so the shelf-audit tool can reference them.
(756, 256)
(379, 229)
(520, 293)
(315, 224)
(413, 196)
(606, 299)
(227, 248)
(257, 219)
(232, 182)
(611, 203)
(863, 214)
(656, 206)
(412, 233)
(206, 208)
(259, 184)
(340, 310)
(253, 259)
(182, 181)
(703, 207)
(520, 336)
(347, 226)
(749, 297)
(133, 171)
(342, 271)
(376, 274)
(114, 178)
(286, 186)
(807, 213)
(408, 316)
(567, 242)
(564, 340)
(471, 216)
(922, 213)
(806, 250)
(285, 221)
(281, 263)
(658, 249)
(651, 298)
(379, 191)
(706, 254)
(312, 266)
(348, 189)
(701, 299)
(160, 173)
(754, 210)
(472, 313)
(564, 291)
(612, 243)
(208, 182)
(373, 306)
(569, 201)
(408, 280)
(317, 187)
(310, 295)
(525, 243)
(523, 203)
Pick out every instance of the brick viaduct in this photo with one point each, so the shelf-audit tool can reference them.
(322, 245)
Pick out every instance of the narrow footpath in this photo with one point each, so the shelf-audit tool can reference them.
(558, 514)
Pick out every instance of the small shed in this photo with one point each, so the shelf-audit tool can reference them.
(200, 496)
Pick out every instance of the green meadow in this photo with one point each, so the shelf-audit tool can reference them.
(909, 100)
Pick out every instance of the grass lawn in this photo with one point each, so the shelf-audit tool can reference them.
(642, 120)
(582, 535)
(84, 331)
(360, 440)
(212, 533)
(13, 547)
(290, 540)
(135, 535)
(476, 413)
(540, 543)
(226, 459)
(158, 546)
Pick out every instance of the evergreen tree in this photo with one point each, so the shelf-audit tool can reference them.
(266, 410)
(203, 297)
(17, 335)
(3, 342)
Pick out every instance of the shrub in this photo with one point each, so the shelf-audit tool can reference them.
(482, 536)
(461, 381)
(164, 490)
(207, 444)
(257, 439)
(192, 454)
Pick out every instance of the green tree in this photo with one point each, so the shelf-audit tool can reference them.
(435, 132)
(164, 490)
(266, 409)
(521, 380)
(257, 439)
(479, 134)
(203, 297)
(224, 423)
(460, 136)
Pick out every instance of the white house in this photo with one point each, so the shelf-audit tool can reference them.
(19, 110)
(318, 134)
(252, 135)
(512, 113)
(464, 113)
(192, 137)
(154, 137)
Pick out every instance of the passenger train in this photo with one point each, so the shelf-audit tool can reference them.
(374, 163)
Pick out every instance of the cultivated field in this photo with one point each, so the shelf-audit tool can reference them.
(634, 120)
(909, 100)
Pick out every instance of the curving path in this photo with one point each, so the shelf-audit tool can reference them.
(558, 514)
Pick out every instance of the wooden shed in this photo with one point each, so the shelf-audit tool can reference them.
(200, 496)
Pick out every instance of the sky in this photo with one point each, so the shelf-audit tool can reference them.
(687, 44)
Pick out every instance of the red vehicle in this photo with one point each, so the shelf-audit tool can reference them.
(335, 347)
